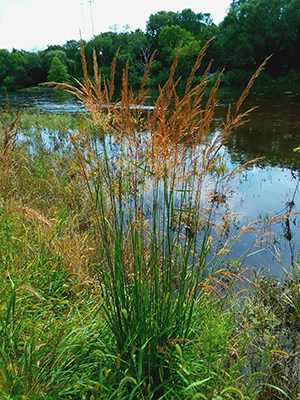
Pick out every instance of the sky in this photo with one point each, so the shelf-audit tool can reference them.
(32, 25)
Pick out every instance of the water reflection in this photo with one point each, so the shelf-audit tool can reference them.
(276, 148)
(267, 187)
(261, 193)
(44, 100)
(271, 185)
(273, 129)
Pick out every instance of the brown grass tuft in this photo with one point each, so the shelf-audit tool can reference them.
(34, 214)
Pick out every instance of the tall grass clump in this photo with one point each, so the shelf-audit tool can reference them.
(41, 340)
(156, 178)
(273, 320)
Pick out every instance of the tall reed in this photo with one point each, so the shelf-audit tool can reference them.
(8, 136)
(152, 174)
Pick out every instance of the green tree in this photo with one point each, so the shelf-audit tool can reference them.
(20, 64)
(190, 21)
(169, 40)
(158, 21)
(187, 57)
(58, 71)
(213, 52)
(50, 54)
(10, 83)
(34, 68)
(14, 68)
(6, 65)
(105, 47)
(140, 47)
(255, 29)
(72, 50)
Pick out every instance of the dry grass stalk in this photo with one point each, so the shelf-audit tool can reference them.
(250, 84)
(31, 290)
(9, 135)
(29, 212)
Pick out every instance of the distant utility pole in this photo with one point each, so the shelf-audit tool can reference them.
(82, 30)
(92, 18)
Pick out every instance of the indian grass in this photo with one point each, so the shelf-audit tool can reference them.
(150, 176)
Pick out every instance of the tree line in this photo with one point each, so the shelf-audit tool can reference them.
(251, 31)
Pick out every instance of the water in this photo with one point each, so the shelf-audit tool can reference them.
(270, 185)
(44, 100)
(267, 187)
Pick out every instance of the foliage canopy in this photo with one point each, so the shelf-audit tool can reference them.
(251, 31)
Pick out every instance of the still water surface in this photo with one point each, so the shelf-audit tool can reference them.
(270, 185)
(266, 187)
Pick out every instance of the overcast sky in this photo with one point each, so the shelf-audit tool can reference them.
(34, 24)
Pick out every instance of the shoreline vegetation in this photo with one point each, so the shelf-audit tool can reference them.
(112, 253)
(250, 32)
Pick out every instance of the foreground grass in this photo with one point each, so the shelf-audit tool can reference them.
(112, 259)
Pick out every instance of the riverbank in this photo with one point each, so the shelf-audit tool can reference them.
(114, 244)
(56, 338)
